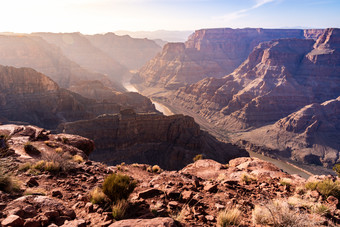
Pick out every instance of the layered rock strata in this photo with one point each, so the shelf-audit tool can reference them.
(169, 141)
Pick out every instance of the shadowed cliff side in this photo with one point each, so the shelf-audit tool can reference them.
(169, 141)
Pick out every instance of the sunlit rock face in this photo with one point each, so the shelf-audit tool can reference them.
(209, 53)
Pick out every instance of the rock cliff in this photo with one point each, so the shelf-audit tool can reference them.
(209, 53)
(34, 52)
(29, 96)
(169, 141)
(133, 53)
(79, 49)
(278, 78)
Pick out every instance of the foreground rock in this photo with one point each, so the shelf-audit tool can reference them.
(169, 141)
(193, 196)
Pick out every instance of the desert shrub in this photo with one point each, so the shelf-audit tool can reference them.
(119, 209)
(197, 157)
(24, 167)
(49, 166)
(118, 187)
(7, 183)
(35, 191)
(59, 150)
(336, 169)
(247, 178)
(228, 217)
(149, 169)
(320, 209)
(63, 160)
(280, 213)
(311, 185)
(30, 149)
(97, 196)
(328, 187)
(156, 169)
(4, 147)
(77, 158)
(286, 182)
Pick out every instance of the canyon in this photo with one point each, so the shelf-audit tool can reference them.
(275, 79)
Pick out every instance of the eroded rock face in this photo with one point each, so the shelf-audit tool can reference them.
(209, 53)
(169, 141)
(278, 78)
(131, 52)
(79, 49)
(36, 53)
(96, 90)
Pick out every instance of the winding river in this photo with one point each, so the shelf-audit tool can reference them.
(160, 107)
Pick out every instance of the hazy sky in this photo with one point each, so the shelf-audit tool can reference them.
(96, 16)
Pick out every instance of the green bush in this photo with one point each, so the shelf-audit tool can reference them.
(336, 169)
(97, 196)
(197, 157)
(328, 187)
(118, 187)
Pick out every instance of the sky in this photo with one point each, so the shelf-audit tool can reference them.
(98, 16)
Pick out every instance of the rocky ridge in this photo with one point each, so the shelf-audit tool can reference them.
(133, 53)
(278, 78)
(29, 96)
(208, 53)
(169, 141)
(195, 195)
(34, 52)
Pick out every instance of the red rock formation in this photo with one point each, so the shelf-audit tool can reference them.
(29, 96)
(169, 141)
(278, 78)
(209, 52)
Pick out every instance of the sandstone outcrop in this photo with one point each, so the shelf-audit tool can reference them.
(34, 52)
(133, 53)
(78, 48)
(309, 134)
(169, 141)
(31, 97)
(278, 78)
(194, 196)
(209, 53)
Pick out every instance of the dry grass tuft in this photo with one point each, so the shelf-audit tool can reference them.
(229, 217)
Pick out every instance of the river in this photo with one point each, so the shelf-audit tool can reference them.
(160, 107)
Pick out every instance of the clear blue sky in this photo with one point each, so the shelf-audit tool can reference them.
(96, 16)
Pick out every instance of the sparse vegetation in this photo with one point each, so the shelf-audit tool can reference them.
(328, 187)
(35, 191)
(320, 209)
(229, 217)
(118, 187)
(247, 178)
(65, 140)
(311, 185)
(77, 158)
(59, 150)
(197, 157)
(286, 182)
(49, 166)
(7, 183)
(325, 187)
(156, 169)
(97, 196)
(24, 167)
(4, 147)
(280, 213)
(119, 209)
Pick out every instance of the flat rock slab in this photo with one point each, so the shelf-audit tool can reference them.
(155, 222)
